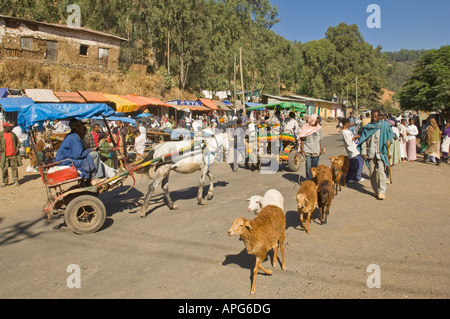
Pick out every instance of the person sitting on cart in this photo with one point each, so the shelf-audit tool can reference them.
(87, 161)
(292, 127)
(275, 121)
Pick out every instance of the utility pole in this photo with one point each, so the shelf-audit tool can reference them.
(235, 101)
(347, 92)
(357, 111)
(242, 80)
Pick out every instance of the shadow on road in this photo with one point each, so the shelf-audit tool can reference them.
(136, 201)
(243, 260)
(18, 232)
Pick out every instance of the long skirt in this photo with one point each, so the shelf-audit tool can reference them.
(434, 149)
(445, 145)
(403, 150)
(395, 150)
(411, 148)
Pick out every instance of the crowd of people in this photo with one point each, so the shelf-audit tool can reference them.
(377, 140)
(382, 141)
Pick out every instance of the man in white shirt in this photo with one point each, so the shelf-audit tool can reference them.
(23, 137)
(292, 127)
(239, 145)
(356, 160)
(59, 127)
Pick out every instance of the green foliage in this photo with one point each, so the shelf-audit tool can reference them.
(428, 89)
(196, 42)
(400, 67)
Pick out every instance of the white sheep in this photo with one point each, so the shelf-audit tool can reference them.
(271, 197)
(265, 232)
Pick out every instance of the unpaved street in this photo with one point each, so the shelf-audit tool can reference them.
(186, 254)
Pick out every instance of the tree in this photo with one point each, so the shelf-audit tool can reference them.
(319, 60)
(428, 89)
(356, 57)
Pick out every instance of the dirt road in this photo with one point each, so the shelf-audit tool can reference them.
(187, 254)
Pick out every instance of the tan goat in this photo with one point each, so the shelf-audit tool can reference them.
(340, 166)
(260, 235)
(306, 203)
(321, 173)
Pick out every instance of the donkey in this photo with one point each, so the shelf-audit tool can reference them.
(198, 155)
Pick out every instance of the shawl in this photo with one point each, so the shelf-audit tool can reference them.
(310, 129)
(386, 134)
(72, 148)
(433, 132)
(403, 132)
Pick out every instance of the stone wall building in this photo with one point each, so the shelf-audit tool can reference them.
(61, 44)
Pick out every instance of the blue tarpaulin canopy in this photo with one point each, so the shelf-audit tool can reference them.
(12, 104)
(35, 113)
(144, 115)
(3, 92)
(116, 118)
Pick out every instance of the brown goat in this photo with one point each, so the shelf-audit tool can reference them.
(321, 173)
(340, 166)
(265, 232)
(306, 203)
(325, 196)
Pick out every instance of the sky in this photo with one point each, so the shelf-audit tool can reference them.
(405, 24)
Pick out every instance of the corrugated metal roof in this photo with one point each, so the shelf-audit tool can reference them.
(42, 95)
(62, 26)
(94, 97)
(69, 97)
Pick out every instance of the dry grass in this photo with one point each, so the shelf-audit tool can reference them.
(22, 74)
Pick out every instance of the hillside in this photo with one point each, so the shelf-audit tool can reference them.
(400, 67)
(22, 74)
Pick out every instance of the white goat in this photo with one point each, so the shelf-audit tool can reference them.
(271, 197)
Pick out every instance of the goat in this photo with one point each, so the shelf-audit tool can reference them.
(271, 197)
(340, 166)
(325, 196)
(306, 203)
(322, 173)
(265, 232)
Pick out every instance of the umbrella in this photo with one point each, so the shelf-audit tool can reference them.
(148, 120)
(231, 123)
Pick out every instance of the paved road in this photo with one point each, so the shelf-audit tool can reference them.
(187, 254)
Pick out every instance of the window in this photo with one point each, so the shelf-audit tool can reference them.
(51, 53)
(103, 57)
(26, 43)
(84, 49)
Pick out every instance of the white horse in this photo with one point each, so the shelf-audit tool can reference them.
(197, 154)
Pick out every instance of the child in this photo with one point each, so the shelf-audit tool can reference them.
(356, 160)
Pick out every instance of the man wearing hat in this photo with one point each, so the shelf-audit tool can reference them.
(9, 154)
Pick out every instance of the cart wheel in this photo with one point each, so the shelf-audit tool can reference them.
(294, 161)
(85, 214)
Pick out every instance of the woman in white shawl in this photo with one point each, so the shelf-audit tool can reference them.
(396, 147)
(403, 139)
(140, 142)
